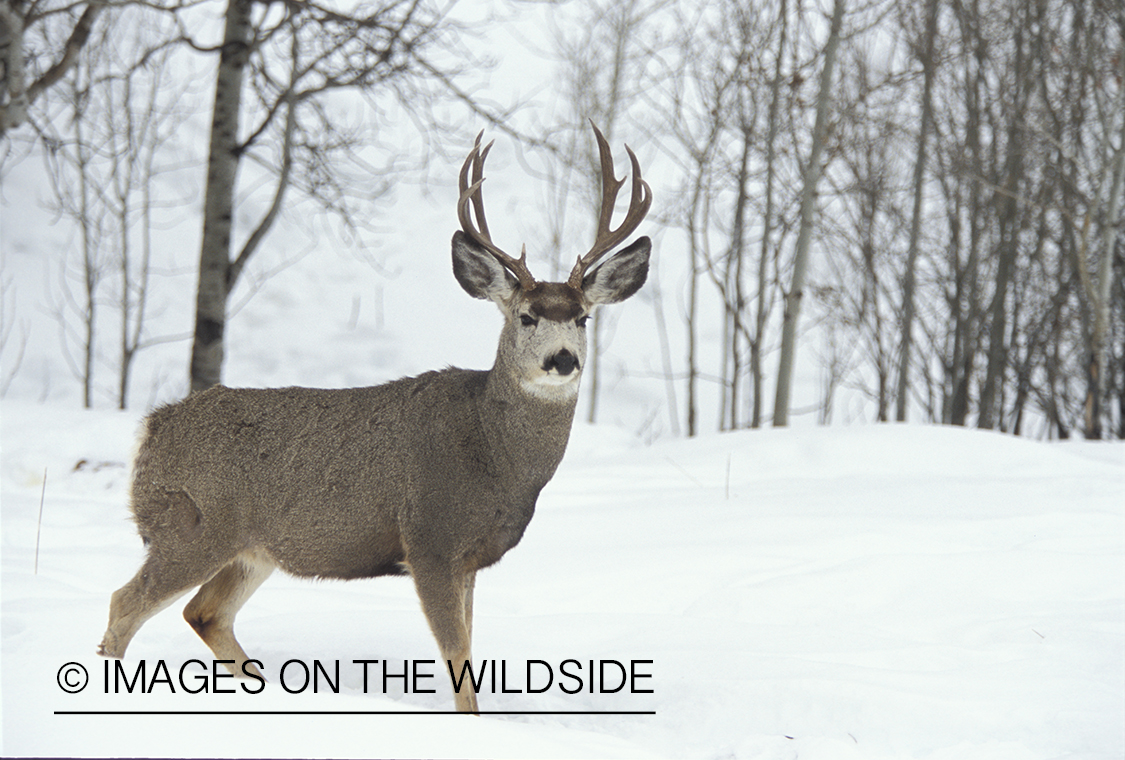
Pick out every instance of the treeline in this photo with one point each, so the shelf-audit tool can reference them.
(935, 190)
(942, 180)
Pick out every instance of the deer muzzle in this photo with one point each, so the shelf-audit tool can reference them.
(564, 362)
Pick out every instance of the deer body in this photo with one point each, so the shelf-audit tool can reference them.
(435, 475)
(326, 510)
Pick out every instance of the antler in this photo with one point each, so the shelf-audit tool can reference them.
(472, 194)
(607, 239)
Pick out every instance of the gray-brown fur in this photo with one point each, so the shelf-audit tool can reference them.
(331, 514)
(435, 475)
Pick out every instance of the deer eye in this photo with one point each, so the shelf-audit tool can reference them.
(528, 321)
(581, 321)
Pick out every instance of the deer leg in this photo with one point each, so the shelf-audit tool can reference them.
(211, 611)
(159, 582)
(444, 593)
(470, 582)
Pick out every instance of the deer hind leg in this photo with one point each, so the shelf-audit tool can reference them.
(446, 597)
(160, 581)
(182, 554)
(211, 611)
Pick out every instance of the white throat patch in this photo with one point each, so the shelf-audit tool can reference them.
(553, 386)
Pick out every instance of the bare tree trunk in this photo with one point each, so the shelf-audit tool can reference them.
(697, 219)
(870, 297)
(732, 288)
(1098, 294)
(91, 278)
(218, 209)
(133, 310)
(1009, 210)
(1114, 204)
(90, 225)
(767, 220)
(967, 278)
(998, 318)
(693, 368)
(693, 308)
(804, 237)
(124, 256)
(927, 56)
(13, 99)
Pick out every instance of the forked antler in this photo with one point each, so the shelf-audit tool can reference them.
(607, 239)
(472, 194)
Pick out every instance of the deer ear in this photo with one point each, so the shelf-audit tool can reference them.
(620, 276)
(478, 271)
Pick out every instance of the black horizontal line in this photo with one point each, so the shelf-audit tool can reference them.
(352, 712)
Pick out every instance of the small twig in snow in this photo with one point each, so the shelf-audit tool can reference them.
(685, 472)
(39, 524)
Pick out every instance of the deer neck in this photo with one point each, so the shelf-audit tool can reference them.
(528, 430)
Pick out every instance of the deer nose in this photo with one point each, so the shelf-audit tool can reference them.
(564, 362)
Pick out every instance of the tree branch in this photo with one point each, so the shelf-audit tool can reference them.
(74, 44)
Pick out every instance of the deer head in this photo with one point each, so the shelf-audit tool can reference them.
(543, 343)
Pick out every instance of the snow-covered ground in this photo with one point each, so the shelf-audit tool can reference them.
(858, 592)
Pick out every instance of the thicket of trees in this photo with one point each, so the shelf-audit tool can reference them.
(935, 189)
(956, 167)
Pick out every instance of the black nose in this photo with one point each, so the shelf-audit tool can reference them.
(563, 362)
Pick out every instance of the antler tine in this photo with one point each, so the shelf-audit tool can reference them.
(471, 194)
(607, 239)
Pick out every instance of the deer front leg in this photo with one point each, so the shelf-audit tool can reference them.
(470, 582)
(446, 596)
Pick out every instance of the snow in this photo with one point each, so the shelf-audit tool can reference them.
(887, 591)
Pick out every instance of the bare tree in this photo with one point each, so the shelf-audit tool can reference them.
(925, 54)
(103, 171)
(1107, 206)
(140, 118)
(1009, 308)
(77, 196)
(808, 211)
(1007, 197)
(700, 92)
(217, 273)
(289, 58)
(863, 235)
(602, 62)
(963, 163)
(41, 41)
(19, 21)
(724, 113)
(773, 126)
(742, 41)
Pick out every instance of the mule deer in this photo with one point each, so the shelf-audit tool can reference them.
(436, 475)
